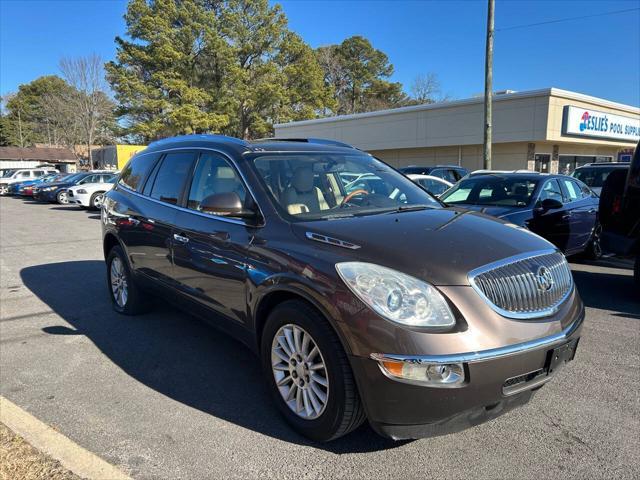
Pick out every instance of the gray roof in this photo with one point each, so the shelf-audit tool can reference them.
(44, 154)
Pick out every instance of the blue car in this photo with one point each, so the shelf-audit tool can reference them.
(57, 191)
(26, 188)
(559, 208)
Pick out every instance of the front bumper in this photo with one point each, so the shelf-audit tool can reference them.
(46, 196)
(403, 410)
(82, 199)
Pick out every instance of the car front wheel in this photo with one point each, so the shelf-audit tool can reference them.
(127, 298)
(96, 200)
(308, 373)
(63, 198)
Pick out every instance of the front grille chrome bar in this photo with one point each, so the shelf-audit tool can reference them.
(531, 285)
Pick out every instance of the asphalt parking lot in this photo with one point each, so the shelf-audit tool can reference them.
(164, 396)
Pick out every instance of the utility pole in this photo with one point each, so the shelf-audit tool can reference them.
(488, 87)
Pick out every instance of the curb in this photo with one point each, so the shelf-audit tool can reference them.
(44, 438)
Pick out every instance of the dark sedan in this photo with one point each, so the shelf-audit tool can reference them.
(557, 207)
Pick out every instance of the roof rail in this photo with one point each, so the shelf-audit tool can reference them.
(319, 141)
(197, 136)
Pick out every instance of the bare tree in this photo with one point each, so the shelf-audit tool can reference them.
(91, 103)
(426, 89)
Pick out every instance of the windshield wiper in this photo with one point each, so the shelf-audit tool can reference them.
(409, 208)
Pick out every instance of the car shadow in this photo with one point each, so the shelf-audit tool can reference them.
(174, 354)
(620, 294)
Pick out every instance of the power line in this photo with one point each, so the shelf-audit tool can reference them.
(566, 19)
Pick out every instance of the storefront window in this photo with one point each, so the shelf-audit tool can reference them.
(568, 163)
(543, 162)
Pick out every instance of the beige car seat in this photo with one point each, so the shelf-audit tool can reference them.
(302, 196)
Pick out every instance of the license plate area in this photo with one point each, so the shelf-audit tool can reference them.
(554, 360)
(557, 357)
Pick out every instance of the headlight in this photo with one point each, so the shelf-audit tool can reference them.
(48, 189)
(396, 296)
(81, 191)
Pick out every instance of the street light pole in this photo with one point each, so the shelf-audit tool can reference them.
(488, 87)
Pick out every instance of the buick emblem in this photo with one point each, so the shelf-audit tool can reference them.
(544, 279)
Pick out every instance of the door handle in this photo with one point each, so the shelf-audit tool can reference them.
(593, 210)
(180, 238)
(566, 216)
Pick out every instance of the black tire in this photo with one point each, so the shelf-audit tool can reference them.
(594, 248)
(344, 411)
(137, 300)
(92, 202)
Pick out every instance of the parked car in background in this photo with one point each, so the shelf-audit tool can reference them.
(620, 212)
(89, 195)
(559, 208)
(21, 174)
(381, 305)
(436, 186)
(58, 191)
(450, 173)
(25, 188)
(595, 174)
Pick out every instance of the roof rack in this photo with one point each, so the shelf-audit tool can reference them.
(319, 141)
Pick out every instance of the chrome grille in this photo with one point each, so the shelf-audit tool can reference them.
(525, 286)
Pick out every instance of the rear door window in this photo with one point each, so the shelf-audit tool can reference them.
(168, 184)
(136, 171)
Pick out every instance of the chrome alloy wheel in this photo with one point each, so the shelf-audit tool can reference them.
(97, 201)
(119, 282)
(63, 198)
(300, 372)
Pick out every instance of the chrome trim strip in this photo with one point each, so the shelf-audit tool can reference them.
(206, 215)
(486, 355)
(318, 237)
(507, 261)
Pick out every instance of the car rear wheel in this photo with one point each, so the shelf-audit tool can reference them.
(308, 373)
(62, 198)
(96, 200)
(127, 298)
(594, 248)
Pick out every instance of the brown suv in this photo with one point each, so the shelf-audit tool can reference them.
(364, 297)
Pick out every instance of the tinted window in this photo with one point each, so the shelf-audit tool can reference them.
(492, 190)
(136, 171)
(450, 176)
(593, 176)
(213, 175)
(88, 179)
(171, 176)
(38, 173)
(551, 189)
(22, 175)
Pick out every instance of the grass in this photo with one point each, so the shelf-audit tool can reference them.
(19, 460)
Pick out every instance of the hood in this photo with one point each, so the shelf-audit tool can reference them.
(440, 246)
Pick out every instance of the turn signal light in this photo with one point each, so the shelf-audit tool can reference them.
(428, 374)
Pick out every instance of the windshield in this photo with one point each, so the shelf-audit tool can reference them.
(491, 191)
(8, 173)
(316, 186)
(593, 177)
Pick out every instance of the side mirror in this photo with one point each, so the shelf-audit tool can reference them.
(226, 204)
(550, 204)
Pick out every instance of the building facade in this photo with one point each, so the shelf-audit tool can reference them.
(114, 157)
(548, 130)
(62, 159)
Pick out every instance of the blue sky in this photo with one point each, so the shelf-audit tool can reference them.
(598, 56)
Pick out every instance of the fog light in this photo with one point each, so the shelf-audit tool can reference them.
(429, 374)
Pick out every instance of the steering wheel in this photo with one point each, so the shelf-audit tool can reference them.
(346, 199)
